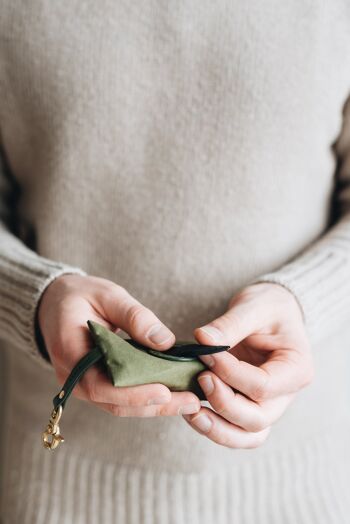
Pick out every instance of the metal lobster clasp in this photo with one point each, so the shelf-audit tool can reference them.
(51, 436)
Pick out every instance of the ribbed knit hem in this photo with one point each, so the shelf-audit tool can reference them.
(319, 278)
(24, 276)
(305, 484)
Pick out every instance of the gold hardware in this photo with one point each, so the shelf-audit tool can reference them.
(51, 436)
(61, 395)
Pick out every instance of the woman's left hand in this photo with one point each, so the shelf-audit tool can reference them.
(250, 386)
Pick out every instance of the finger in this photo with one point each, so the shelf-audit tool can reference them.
(237, 408)
(180, 403)
(219, 430)
(286, 371)
(96, 387)
(233, 326)
(138, 321)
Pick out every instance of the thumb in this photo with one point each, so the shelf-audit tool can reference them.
(127, 313)
(236, 324)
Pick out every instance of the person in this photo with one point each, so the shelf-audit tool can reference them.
(176, 171)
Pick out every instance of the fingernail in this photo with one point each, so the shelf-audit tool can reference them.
(208, 360)
(214, 333)
(202, 422)
(159, 334)
(206, 383)
(189, 409)
(158, 400)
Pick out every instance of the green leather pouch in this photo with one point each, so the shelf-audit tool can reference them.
(129, 363)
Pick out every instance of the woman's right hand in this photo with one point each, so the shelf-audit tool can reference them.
(65, 306)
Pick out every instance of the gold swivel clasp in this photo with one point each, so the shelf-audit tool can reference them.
(51, 436)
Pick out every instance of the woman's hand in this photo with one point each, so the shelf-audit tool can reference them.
(269, 361)
(65, 306)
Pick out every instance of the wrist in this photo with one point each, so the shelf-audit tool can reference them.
(286, 294)
(274, 293)
(39, 339)
(50, 295)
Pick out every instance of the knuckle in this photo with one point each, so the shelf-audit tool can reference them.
(221, 408)
(111, 293)
(159, 411)
(247, 442)
(259, 439)
(253, 444)
(224, 373)
(90, 391)
(133, 314)
(234, 321)
(119, 290)
(258, 424)
(125, 397)
(224, 440)
(115, 410)
(130, 399)
(261, 391)
(219, 435)
(229, 322)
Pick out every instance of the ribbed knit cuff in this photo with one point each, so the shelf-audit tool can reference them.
(24, 276)
(319, 278)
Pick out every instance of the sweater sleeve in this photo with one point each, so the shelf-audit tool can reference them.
(319, 276)
(24, 275)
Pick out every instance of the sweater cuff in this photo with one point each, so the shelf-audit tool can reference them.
(24, 277)
(319, 279)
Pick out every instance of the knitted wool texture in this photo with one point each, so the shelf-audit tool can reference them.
(183, 150)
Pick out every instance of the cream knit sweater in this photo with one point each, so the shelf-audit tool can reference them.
(183, 150)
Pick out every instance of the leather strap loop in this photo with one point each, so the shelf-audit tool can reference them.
(178, 352)
(93, 356)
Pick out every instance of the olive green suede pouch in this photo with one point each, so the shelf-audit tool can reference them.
(129, 363)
